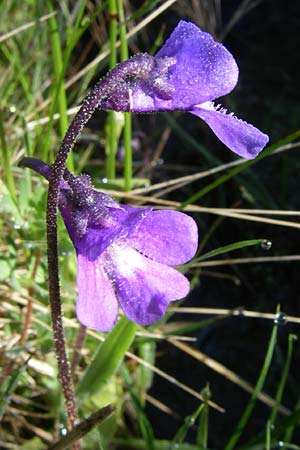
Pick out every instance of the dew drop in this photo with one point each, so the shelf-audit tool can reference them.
(63, 430)
(104, 180)
(280, 318)
(266, 244)
(12, 109)
(281, 444)
(192, 421)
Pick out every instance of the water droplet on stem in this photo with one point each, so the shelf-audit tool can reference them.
(280, 318)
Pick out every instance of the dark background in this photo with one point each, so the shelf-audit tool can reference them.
(265, 43)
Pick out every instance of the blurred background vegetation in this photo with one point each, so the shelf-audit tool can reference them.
(224, 344)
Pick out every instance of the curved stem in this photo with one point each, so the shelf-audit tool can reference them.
(138, 66)
(57, 171)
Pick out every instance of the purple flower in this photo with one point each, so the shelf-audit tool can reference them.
(124, 253)
(189, 72)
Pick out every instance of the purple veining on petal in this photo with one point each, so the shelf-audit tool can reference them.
(143, 287)
(241, 137)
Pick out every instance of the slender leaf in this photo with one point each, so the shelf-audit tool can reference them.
(107, 358)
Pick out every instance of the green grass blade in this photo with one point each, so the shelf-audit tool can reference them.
(57, 60)
(6, 163)
(202, 434)
(182, 432)
(127, 115)
(268, 435)
(9, 386)
(229, 248)
(112, 135)
(59, 94)
(107, 358)
(259, 442)
(139, 444)
(144, 423)
(283, 378)
(258, 388)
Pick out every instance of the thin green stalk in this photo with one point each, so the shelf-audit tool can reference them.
(268, 435)
(13, 56)
(128, 152)
(259, 385)
(202, 432)
(283, 379)
(5, 161)
(290, 430)
(59, 91)
(28, 147)
(112, 134)
(72, 38)
(127, 115)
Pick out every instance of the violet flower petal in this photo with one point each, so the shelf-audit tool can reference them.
(168, 237)
(97, 306)
(143, 287)
(241, 137)
(204, 69)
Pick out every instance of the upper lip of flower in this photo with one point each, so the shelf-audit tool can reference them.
(188, 73)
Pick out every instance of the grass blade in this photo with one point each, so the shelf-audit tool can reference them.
(258, 388)
(229, 248)
(107, 358)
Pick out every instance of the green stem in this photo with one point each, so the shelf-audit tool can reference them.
(59, 69)
(5, 161)
(112, 135)
(127, 116)
(259, 385)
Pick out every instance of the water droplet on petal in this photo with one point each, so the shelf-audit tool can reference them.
(266, 244)
(280, 318)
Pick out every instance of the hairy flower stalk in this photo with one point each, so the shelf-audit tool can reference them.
(103, 89)
(189, 72)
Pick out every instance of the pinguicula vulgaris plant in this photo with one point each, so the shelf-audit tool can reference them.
(125, 254)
